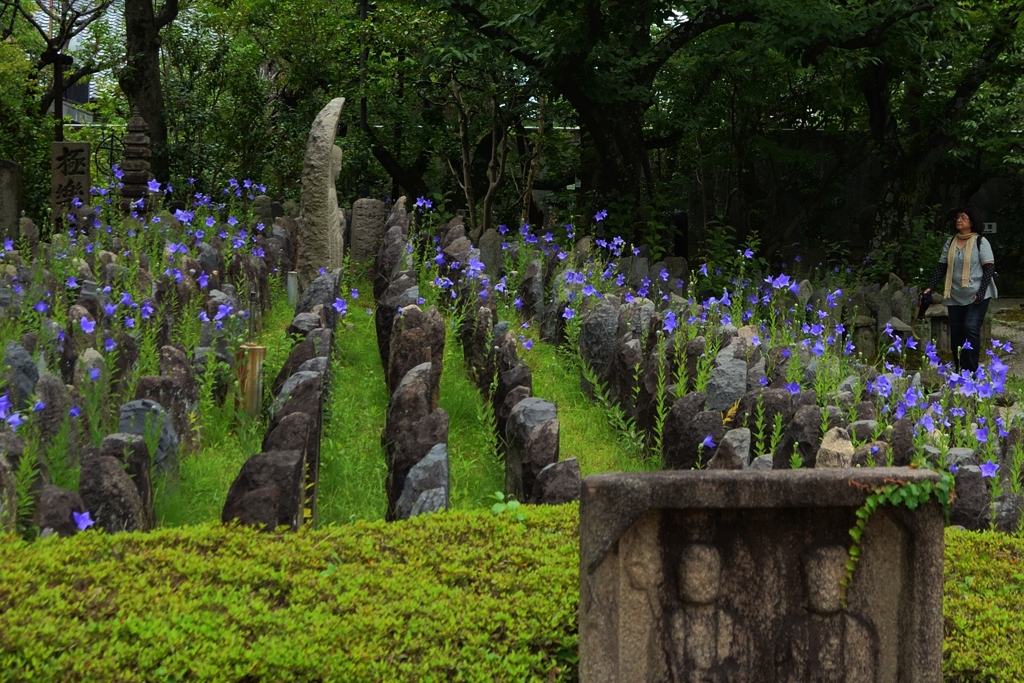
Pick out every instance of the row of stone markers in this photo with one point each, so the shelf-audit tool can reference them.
(625, 342)
(116, 478)
(527, 427)
(697, 433)
(411, 345)
(278, 486)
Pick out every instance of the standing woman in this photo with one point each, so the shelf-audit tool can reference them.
(969, 267)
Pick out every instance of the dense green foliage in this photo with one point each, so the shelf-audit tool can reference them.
(23, 133)
(821, 125)
(463, 596)
(983, 602)
(458, 596)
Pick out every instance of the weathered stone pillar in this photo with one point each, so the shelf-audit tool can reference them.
(737, 576)
(321, 236)
(938, 317)
(367, 229)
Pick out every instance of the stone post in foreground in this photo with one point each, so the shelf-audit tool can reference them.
(734, 576)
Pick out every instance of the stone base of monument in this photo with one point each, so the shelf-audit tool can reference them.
(938, 316)
(736, 576)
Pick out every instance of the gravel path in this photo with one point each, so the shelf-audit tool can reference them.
(1009, 331)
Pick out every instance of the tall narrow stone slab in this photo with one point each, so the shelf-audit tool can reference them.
(735, 576)
(267, 491)
(10, 198)
(367, 229)
(321, 236)
(417, 337)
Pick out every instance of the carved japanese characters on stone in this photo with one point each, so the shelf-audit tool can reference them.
(71, 179)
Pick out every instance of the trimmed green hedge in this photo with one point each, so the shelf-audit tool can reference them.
(459, 596)
(983, 607)
(463, 596)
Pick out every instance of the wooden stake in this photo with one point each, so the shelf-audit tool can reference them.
(250, 372)
(292, 284)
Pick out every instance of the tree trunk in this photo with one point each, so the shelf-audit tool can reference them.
(617, 138)
(534, 162)
(58, 100)
(140, 78)
(497, 162)
(467, 154)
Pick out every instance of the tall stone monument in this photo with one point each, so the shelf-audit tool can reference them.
(135, 183)
(735, 576)
(321, 233)
(69, 164)
(367, 229)
(10, 198)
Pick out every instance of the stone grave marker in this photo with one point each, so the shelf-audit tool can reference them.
(10, 198)
(321, 233)
(367, 229)
(69, 164)
(729, 575)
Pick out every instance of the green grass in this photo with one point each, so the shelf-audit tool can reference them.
(352, 466)
(476, 471)
(585, 432)
(227, 438)
(353, 469)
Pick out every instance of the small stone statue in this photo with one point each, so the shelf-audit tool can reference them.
(707, 641)
(825, 644)
(641, 643)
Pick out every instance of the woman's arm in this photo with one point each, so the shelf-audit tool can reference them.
(940, 270)
(988, 271)
(988, 268)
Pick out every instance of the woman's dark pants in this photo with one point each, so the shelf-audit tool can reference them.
(965, 325)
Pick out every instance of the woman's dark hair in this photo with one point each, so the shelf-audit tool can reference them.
(972, 213)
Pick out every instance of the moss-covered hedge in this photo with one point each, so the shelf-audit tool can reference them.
(459, 596)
